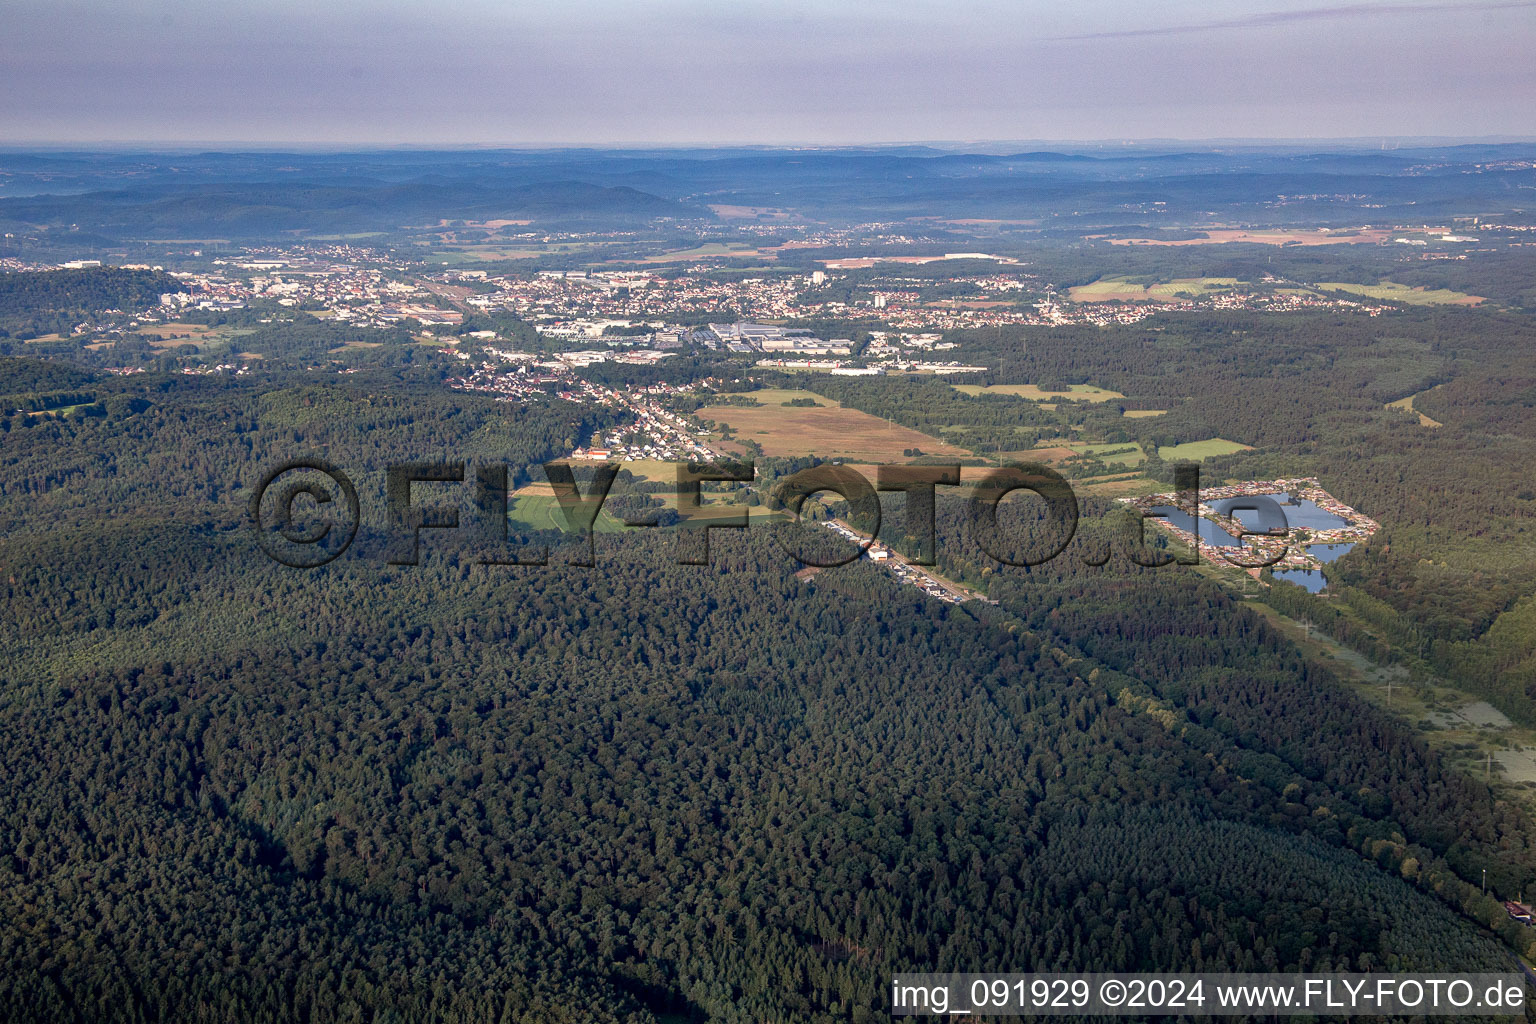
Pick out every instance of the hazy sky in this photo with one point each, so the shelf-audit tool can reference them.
(703, 71)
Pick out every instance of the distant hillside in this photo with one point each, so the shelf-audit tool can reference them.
(96, 288)
(248, 195)
(18, 375)
(262, 208)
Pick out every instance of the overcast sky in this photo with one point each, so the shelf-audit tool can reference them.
(771, 71)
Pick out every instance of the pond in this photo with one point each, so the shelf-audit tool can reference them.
(1313, 579)
(1328, 552)
(1303, 513)
(1209, 531)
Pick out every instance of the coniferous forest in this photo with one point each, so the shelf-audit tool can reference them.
(642, 791)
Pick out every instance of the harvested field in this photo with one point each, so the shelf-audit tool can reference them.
(778, 396)
(830, 432)
(1406, 404)
(1116, 486)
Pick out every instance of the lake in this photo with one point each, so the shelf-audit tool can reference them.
(1209, 531)
(1305, 513)
(1313, 579)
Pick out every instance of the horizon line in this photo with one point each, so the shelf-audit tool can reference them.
(1374, 140)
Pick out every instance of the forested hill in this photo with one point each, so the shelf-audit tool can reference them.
(258, 209)
(138, 195)
(87, 289)
(456, 792)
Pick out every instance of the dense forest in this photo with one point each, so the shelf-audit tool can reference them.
(56, 300)
(92, 288)
(647, 791)
(1450, 577)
